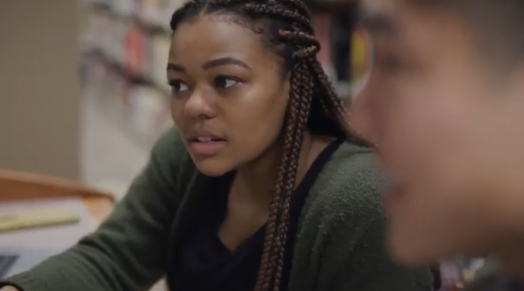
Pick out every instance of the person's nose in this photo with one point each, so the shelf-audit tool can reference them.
(198, 105)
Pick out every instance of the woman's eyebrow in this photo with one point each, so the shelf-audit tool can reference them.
(224, 62)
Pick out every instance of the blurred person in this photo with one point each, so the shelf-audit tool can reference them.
(258, 189)
(444, 104)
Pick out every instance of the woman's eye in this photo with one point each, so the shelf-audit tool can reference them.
(178, 86)
(225, 82)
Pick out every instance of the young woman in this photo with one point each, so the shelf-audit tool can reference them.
(444, 103)
(257, 189)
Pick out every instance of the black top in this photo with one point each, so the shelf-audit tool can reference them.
(206, 264)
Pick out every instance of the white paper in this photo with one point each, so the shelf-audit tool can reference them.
(54, 237)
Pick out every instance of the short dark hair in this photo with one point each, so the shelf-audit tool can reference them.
(497, 26)
(285, 28)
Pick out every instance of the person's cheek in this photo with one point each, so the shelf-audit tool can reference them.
(364, 116)
(399, 139)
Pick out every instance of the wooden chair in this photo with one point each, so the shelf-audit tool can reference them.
(15, 186)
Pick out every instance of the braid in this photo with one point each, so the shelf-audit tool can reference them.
(313, 106)
(272, 11)
(332, 102)
(301, 8)
(268, 260)
(301, 95)
(299, 107)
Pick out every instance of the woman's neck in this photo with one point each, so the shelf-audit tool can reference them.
(257, 179)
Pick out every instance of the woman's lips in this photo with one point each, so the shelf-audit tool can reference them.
(206, 148)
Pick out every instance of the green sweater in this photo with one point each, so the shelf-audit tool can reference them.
(339, 242)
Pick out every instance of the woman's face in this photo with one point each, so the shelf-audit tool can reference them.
(228, 94)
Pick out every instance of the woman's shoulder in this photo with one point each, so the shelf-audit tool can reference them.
(169, 142)
(342, 229)
(169, 156)
(345, 199)
(349, 182)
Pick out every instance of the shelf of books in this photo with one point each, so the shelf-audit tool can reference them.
(125, 46)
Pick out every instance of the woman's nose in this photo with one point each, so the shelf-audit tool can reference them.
(197, 105)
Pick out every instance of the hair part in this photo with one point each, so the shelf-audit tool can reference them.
(285, 29)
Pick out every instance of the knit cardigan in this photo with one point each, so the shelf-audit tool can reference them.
(339, 244)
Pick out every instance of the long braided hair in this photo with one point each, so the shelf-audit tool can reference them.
(285, 28)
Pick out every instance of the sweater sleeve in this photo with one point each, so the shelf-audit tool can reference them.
(349, 250)
(126, 253)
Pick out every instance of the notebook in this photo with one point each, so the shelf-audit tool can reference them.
(24, 245)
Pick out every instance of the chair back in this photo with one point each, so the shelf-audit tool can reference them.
(15, 186)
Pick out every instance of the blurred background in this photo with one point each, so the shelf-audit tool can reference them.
(84, 92)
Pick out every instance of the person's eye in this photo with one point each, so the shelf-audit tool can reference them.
(388, 63)
(224, 82)
(178, 86)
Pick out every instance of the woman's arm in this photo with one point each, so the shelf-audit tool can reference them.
(127, 251)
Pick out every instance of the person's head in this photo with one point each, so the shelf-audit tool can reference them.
(245, 81)
(444, 103)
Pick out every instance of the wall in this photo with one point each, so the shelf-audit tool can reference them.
(39, 86)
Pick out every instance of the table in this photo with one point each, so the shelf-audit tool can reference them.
(17, 186)
(98, 207)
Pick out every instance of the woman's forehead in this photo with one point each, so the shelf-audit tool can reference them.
(212, 30)
(210, 37)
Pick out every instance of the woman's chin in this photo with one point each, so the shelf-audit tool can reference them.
(212, 168)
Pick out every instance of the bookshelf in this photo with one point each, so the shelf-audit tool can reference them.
(125, 45)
